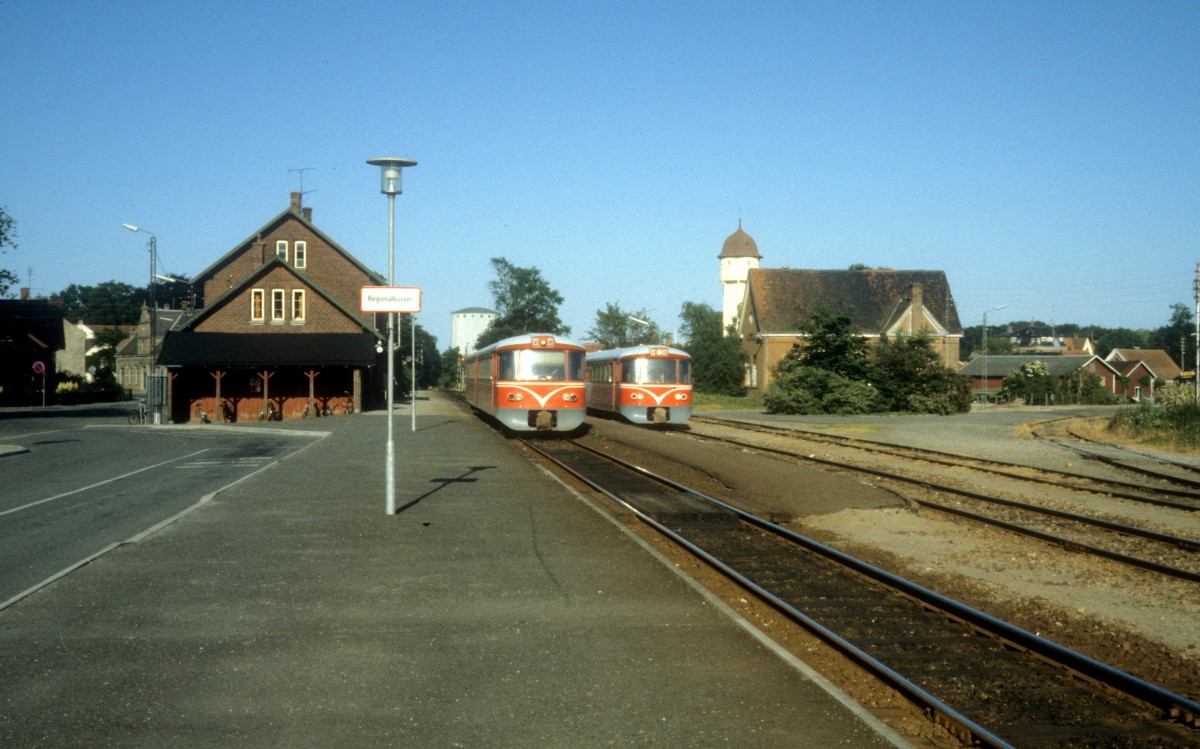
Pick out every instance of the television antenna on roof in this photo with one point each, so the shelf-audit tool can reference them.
(301, 171)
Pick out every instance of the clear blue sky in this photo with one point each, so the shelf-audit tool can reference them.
(1046, 155)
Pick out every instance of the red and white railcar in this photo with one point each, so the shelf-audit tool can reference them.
(644, 384)
(529, 383)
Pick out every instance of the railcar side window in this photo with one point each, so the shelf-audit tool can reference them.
(508, 365)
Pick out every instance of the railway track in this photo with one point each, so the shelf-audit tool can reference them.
(1139, 546)
(990, 683)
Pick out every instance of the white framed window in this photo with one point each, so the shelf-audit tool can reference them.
(277, 309)
(300, 254)
(297, 305)
(257, 299)
(281, 249)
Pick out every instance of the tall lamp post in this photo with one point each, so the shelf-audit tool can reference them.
(151, 395)
(390, 170)
(985, 354)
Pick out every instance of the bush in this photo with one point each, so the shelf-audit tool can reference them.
(1170, 425)
(798, 389)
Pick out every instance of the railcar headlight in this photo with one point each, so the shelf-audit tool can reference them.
(515, 397)
(635, 396)
(681, 396)
(571, 397)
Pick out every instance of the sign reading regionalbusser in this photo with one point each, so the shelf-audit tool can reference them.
(391, 299)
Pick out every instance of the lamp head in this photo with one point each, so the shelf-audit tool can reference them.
(390, 169)
(131, 227)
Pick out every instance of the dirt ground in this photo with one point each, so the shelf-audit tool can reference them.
(1136, 621)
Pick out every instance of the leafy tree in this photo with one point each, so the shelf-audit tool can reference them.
(8, 238)
(1176, 336)
(429, 362)
(911, 377)
(797, 388)
(718, 362)
(108, 303)
(525, 302)
(615, 328)
(1032, 382)
(832, 345)
(451, 365)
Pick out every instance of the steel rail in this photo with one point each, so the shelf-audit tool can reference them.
(1170, 704)
(1155, 536)
(957, 460)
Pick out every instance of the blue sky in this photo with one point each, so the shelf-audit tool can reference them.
(1046, 156)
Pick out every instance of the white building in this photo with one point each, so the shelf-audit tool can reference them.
(467, 324)
(738, 256)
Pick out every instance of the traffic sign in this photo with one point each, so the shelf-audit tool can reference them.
(39, 368)
(390, 299)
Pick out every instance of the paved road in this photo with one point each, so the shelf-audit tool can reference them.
(86, 480)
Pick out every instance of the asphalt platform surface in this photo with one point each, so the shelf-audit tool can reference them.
(497, 608)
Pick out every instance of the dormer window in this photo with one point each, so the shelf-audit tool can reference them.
(281, 250)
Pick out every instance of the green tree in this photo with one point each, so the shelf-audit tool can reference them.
(617, 328)
(525, 302)
(451, 368)
(1032, 383)
(108, 303)
(797, 388)
(911, 377)
(831, 344)
(1176, 336)
(429, 362)
(718, 362)
(8, 238)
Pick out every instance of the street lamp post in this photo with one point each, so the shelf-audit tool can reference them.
(985, 353)
(390, 173)
(151, 394)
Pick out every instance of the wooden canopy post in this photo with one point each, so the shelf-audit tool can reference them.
(171, 375)
(266, 376)
(218, 409)
(311, 407)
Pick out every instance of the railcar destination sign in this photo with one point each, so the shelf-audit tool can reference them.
(391, 299)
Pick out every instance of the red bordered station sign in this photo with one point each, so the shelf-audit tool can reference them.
(391, 299)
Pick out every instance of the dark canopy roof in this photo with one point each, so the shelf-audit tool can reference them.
(183, 348)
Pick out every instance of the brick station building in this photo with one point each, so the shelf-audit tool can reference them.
(280, 325)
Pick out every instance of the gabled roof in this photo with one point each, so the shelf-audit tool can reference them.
(187, 322)
(292, 212)
(1126, 368)
(1159, 361)
(872, 299)
(998, 366)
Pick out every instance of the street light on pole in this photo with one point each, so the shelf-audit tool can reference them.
(985, 354)
(151, 395)
(390, 173)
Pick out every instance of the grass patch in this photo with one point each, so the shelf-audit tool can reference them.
(710, 402)
(1171, 427)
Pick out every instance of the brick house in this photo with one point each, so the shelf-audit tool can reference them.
(1157, 360)
(881, 304)
(281, 325)
(991, 370)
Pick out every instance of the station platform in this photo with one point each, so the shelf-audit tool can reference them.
(497, 608)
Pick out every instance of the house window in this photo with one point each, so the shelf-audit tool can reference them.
(281, 249)
(277, 305)
(300, 254)
(256, 305)
(297, 305)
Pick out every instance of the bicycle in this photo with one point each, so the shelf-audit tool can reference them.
(139, 416)
(202, 415)
(269, 412)
(308, 410)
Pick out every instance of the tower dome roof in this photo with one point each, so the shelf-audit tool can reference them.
(739, 244)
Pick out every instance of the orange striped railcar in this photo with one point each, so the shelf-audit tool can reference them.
(528, 383)
(643, 384)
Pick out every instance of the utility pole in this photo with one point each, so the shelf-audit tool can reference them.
(1196, 365)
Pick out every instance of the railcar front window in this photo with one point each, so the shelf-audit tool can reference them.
(649, 371)
(575, 365)
(685, 372)
(543, 365)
